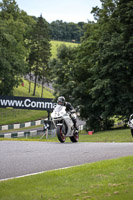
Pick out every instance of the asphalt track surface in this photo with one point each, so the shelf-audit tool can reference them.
(18, 158)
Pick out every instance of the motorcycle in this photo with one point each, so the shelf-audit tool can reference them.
(130, 123)
(64, 124)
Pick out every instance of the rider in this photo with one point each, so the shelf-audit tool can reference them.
(61, 101)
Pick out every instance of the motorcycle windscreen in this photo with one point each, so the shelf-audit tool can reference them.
(58, 108)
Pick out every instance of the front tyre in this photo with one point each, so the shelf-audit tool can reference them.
(60, 135)
(75, 137)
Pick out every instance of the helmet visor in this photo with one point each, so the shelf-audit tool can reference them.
(60, 103)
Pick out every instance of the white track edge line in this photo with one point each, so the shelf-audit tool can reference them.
(32, 174)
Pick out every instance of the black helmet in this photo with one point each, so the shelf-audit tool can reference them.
(61, 100)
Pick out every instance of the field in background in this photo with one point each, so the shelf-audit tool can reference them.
(56, 44)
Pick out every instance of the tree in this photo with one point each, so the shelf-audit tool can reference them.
(39, 50)
(113, 84)
(9, 9)
(100, 70)
(112, 69)
(61, 69)
(12, 47)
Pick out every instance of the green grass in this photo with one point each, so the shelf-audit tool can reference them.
(10, 116)
(56, 44)
(104, 180)
(122, 135)
(20, 116)
(24, 91)
(117, 135)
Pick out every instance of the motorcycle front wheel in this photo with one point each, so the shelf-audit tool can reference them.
(60, 135)
(75, 137)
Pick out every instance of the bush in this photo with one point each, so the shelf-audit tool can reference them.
(99, 124)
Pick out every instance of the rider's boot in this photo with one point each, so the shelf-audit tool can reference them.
(75, 125)
(76, 128)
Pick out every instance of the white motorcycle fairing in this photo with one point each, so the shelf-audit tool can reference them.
(59, 115)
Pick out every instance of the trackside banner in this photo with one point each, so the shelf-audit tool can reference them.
(27, 103)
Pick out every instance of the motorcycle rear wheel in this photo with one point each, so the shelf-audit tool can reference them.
(75, 137)
(60, 135)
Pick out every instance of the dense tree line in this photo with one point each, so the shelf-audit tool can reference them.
(98, 75)
(64, 31)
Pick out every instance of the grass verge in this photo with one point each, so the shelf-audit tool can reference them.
(116, 135)
(111, 179)
(121, 135)
(21, 116)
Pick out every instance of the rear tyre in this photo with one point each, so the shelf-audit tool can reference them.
(60, 135)
(132, 132)
(75, 137)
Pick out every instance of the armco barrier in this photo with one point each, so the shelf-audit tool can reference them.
(28, 124)
(19, 134)
(22, 125)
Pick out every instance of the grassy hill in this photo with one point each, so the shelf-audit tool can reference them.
(23, 91)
